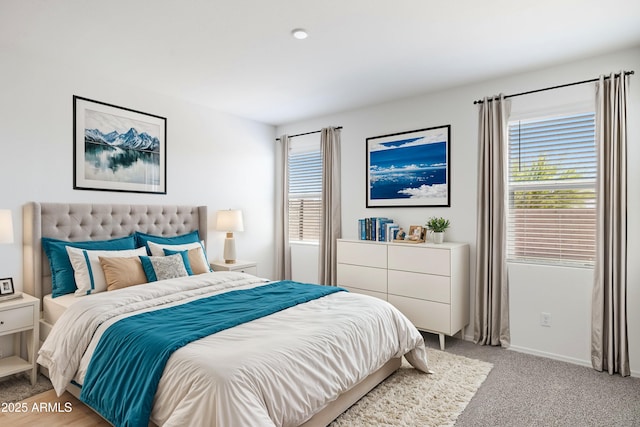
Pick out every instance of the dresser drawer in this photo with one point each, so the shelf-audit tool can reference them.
(426, 315)
(16, 318)
(420, 259)
(367, 278)
(380, 295)
(418, 285)
(366, 254)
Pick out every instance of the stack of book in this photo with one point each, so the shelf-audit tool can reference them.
(377, 229)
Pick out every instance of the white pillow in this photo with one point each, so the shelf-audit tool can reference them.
(157, 249)
(87, 270)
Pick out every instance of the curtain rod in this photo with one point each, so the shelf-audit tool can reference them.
(307, 133)
(480, 101)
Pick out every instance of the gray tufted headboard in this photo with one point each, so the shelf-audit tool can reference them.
(86, 221)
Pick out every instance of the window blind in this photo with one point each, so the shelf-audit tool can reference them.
(552, 190)
(305, 189)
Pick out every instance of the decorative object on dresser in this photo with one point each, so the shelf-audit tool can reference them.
(249, 267)
(409, 168)
(229, 221)
(20, 317)
(416, 234)
(437, 226)
(428, 283)
(379, 229)
(118, 149)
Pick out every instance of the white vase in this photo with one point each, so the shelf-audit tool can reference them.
(438, 236)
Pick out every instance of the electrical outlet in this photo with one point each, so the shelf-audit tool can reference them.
(545, 319)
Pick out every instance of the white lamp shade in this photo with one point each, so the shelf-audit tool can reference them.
(6, 226)
(229, 220)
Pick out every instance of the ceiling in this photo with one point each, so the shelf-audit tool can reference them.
(238, 56)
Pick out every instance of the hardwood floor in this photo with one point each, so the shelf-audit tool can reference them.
(47, 409)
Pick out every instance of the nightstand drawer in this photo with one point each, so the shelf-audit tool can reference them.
(16, 318)
(248, 270)
(248, 267)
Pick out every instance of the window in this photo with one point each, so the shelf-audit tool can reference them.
(305, 189)
(552, 190)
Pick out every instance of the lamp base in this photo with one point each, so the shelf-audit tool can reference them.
(229, 253)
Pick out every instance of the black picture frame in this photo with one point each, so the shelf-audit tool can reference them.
(118, 149)
(6, 286)
(409, 169)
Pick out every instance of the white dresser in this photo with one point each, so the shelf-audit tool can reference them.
(428, 283)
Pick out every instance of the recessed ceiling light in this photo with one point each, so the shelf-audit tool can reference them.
(299, 33)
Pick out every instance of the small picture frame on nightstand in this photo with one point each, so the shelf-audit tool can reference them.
(6, 286)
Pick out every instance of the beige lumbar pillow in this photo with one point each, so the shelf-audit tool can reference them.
(122, 272)
(197, 261)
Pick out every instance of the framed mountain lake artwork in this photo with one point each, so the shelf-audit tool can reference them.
(118, 149)
(409, 168)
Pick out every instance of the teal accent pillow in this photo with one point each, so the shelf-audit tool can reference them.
(62, 280)
(163, 267)
(143, 238)
(185, 259)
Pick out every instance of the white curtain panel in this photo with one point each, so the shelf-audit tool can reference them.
(609, 345)
(330, 219)
(491, 323)
(282, 247)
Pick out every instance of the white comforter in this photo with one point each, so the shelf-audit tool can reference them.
(277, 370)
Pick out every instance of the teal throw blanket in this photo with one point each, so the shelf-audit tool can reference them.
(127, 364)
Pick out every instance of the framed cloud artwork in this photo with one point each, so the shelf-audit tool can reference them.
(118, 149)
(409, 168)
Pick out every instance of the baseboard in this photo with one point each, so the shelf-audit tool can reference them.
(586, 363)
(535, 352)
(553, 356)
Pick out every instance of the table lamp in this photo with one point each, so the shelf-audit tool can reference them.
(6, 226)
(229, 221)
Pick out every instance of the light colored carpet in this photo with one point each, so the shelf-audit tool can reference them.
(412, 398)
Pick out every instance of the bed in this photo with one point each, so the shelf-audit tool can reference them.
(302, 365)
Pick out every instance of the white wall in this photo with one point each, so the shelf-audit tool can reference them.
(304, 262)
(563, 292)
(213, 158)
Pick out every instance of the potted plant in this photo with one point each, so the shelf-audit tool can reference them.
(437, 225)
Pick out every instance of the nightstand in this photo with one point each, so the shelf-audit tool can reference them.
(248, 267)
(20, 317)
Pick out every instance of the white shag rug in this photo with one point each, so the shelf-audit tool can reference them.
(411, 398)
